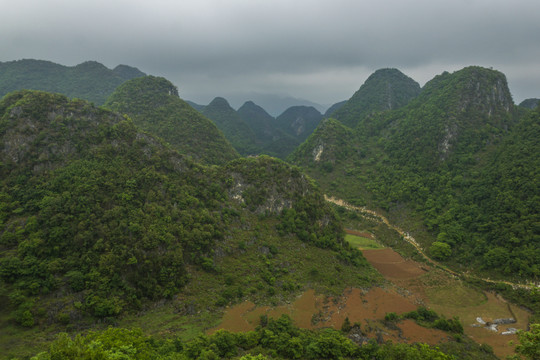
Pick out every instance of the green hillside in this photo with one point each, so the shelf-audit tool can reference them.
(385, 89)
(460, 160)
(153, 105)
(232, 125)
(90, 80)
(99, 220)
(299, 121)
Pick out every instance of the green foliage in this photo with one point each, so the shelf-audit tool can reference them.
(153, 105)
(385, 89)
(278, 339)
(235, 129)
(90, 80)
(104, 219)
(440, 250)
(529, 344)
(460, 157)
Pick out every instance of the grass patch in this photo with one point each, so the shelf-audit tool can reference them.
(456, 295)
(362, 242)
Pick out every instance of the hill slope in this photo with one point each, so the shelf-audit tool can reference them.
(385, 89)
(154, 105)
(89, 81)
(232, 125)
(445, 159)
(98, 218)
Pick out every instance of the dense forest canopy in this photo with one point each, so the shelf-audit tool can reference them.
(105, 217)
(90, 80)
(460, 155)
(153, 105)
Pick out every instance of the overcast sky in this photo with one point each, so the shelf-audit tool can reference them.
(320, 50)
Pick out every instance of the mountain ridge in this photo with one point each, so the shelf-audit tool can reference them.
(89, 80)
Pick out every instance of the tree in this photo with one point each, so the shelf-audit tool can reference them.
(440, 250)
(529, 347)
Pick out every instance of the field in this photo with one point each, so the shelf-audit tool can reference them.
(410, 284)
(362, 243)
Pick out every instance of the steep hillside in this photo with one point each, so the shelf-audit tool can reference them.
(299, 121)
(89, 81)
(530, 103)
(260, 122)
(332, 142)
(99, 219)
(231, 124)
(385, 89)
(334, 108)
(445, 158)
(153, 105)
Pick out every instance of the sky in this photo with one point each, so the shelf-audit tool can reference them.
(318, 50)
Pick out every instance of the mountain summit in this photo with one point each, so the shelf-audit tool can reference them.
(90, 80)
(385, 89)
(153, 105)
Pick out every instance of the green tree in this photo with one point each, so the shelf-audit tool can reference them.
(440, 250)
(529, 347)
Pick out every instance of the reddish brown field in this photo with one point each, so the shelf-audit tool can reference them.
(360, 233)
(390, 264)
(415, 284)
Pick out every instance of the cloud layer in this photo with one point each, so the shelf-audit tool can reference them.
(321, 50)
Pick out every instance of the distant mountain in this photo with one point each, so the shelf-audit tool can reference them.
(530, 103)
(261, 123)
(232, 125)
(334, 108)
(385, 89)
(196, 106)
(274, 104)
(444, 158)
(154, 105)
(90, 80)
(299, 121)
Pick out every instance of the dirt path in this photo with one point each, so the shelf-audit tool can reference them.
(410, 239)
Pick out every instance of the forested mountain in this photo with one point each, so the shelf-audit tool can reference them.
(261, 123)
(232, 125)
(98, 218)
(385, 89)
(299, 121)
(153, 105)
(251, 130)
(460, 156)
(333, 108)
(90, 80)
(530, 103)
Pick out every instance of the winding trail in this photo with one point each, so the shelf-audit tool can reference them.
(410, 239)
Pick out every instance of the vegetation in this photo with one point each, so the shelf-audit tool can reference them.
(362, 242)
(273, 339)
(385, 89)
(460, 157)
(99, 219)
(235, 129)
(89, 81)
(153, 105)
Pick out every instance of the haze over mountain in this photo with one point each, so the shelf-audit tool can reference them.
(530, 103)
(231, 124)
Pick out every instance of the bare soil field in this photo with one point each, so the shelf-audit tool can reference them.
(413, 284)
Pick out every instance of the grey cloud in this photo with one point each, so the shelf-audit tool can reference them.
(321, 50)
